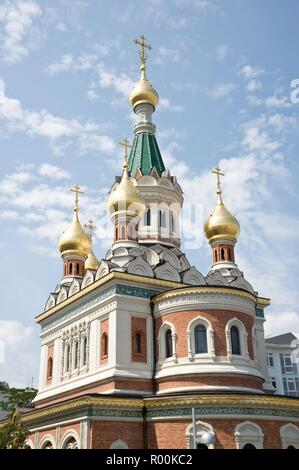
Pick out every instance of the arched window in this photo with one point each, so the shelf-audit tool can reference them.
(77, 268)
(65, 272)
(116, 233)
(235, 340)
(50, 368)
(229, 254)
(249, 446)
(162, 219)
(222, 254)
(68, 357)
(123, 232)
(104, 345)
(138, 343)
(147, 217)
(76, 352)
(71, 443)
(168, 343)
(71, 268)
(216, 256)
(84, 351)
(200, 336)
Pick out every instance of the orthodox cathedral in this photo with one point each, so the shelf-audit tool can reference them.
(141, 350)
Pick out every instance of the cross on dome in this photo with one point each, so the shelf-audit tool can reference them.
(76, 189)
(143, 46)
(126, 144)
(90, 228)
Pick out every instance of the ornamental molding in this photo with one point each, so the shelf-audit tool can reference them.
(212, 405)
(201, 299)
(207, 290)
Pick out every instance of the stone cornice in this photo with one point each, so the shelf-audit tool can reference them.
(104, 280)
(257, 405)
(186, 291)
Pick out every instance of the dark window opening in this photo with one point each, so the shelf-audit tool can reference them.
(202, 446)
(77, 268)
(84, 351)
(222, 254)
(50, 368)
(148, 217)
(168, 343)
(200, 335)
(68, 357)
(249, 446)
(235, 340)
(71, 268)
(104, 345)
(138, 343)
(216, 256)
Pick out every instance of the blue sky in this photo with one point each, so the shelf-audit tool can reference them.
(223, 70)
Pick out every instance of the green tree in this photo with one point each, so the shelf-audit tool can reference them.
(14, 433)
(20, 397)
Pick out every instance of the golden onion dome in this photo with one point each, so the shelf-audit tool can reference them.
(144, 92)
(125, 198)
(221, 224)
(74, 241)
(92, 261)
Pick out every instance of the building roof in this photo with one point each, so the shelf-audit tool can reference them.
(286, 338)
(145, 155)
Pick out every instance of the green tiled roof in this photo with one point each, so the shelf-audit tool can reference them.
(145, 154)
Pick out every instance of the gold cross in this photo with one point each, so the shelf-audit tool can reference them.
(219, 173)
(76, 189)
(142, 54)
(126, 143)
(90, 228)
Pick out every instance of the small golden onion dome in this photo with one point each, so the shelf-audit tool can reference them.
(144, 91)
(74, 241)
(125, 198)
(92, 261)
(221, 225)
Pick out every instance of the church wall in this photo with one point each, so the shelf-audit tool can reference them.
(208, 380)
(218, 319)
(104, 433)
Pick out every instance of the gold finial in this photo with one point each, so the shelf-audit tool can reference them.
(143, 46)
(76, 189)
(219, 173)
(126, 143)
(90, 228)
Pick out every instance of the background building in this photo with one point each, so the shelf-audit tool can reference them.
(283, 362)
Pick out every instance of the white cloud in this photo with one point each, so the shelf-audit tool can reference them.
(222, 51)
(278, 102)
(60, 132)
(250, 72)
(61, 27)
(168, 54)
(254, 85)
(20, 358)
(221, 90)
(165, 103)
(53, 172)
(284, 322)
(17, 30)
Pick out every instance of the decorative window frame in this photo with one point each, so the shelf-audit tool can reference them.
(191, 339)
(201, 428)
(67, 436)
(119, 444)
(243, 337)
(246, 436)
(162, 343)
(70, 337)
(289, 440)
(45, 439)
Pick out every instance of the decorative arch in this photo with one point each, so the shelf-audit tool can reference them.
(51, 302)
(193, 277)
(119, 444)
(168, 272)
(70, 440)
(171, 258)
(88, 279)
(289, 435)
(191, 338)
(162, 342)
(103, 269)
(242, 336)
(28, 444)
(214, 278)
(47, 442)
(241, 283)
(204, 435)
(74, 287)
(62, 295)
(140, 267)
(249, 433)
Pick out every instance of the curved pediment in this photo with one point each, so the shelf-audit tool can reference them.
(193, 277)
(214, 278)
(140, 267)
(167, 272)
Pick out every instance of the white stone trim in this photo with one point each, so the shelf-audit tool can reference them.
(45, 439)
(211, 387)
(249, 432)
(200, 429)
(243, 337)
(199, 320)
(289, 435)
(29, 443)
(162, 344)
(69, 435)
